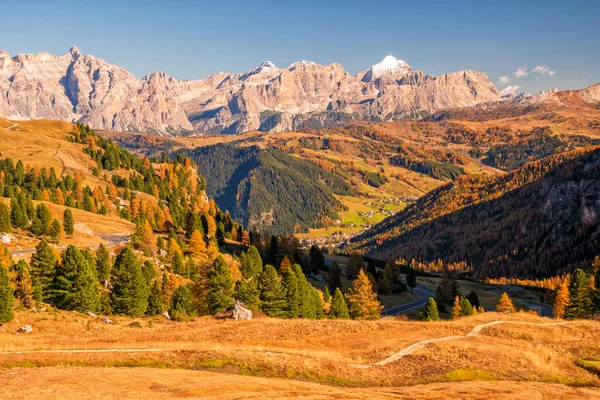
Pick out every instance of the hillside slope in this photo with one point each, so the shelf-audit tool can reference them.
(538, 221)
(267, 189)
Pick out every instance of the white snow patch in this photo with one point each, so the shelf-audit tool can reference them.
(389, 65)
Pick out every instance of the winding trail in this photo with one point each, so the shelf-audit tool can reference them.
(419, 345)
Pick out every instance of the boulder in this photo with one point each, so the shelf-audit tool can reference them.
(239, 312)
(107, 320)
(91, 314)
(25, 329)
(136, 324)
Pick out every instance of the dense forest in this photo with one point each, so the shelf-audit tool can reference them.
(267, 189)
(537, 221)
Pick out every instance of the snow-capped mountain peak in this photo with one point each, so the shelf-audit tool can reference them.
(388, 66)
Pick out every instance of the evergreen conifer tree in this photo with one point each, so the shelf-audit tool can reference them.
(326, 295)
(473, 299)
(75, 285)
(6, 296)
(130, 290)
(182, 303)
(43, 214)
(219, 286)
(338, 309)
(290, 287)
(246, 291)
(272, 296)
(466, 309)
(68, 222)
(4, 218)
(55, 231)
(42, 269)
(155, 300)
(103, 265)
(177, 265)
(335, 277)
(430, 312)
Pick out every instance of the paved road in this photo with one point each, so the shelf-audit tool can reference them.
(424, 294)
(112, 240)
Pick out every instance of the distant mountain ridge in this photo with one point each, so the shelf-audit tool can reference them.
(81, 87)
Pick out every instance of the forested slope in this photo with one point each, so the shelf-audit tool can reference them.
(537, 221)
(268, 189)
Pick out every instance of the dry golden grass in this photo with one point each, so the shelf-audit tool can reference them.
(320, 351)
(43, 143)
(144, 383)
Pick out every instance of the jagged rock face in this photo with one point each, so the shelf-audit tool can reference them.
(80, 87)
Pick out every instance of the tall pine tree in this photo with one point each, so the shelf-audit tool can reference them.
(6, 296)
(130, 290)
(272, 297)
(339, 308)
(219, 286)
(68, 222)
(290, 287)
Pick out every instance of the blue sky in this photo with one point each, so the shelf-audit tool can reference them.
(191, 39)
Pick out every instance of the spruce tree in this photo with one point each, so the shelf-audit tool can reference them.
(4, 218)
(18, 215)
(149, 271)
(68, 222)
(130, 290)
(246, 291)
(6, 296)
(326, 295)
(43, 214)
(335, 277)
(251, 263)
(182, 303)
(156, 300)
(75, 285)
(430, 312)
(55, 231)
(339, 308)
(290, 288)
(473, 299)
(272, 297)
(103, 264)
(219, 286)
(317, 303)
(43, 267)
(177, 265)
(466, 309)
(411, 279)
(305, 304)
(363, 300)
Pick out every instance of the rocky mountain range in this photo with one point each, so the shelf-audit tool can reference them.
(81, 87)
